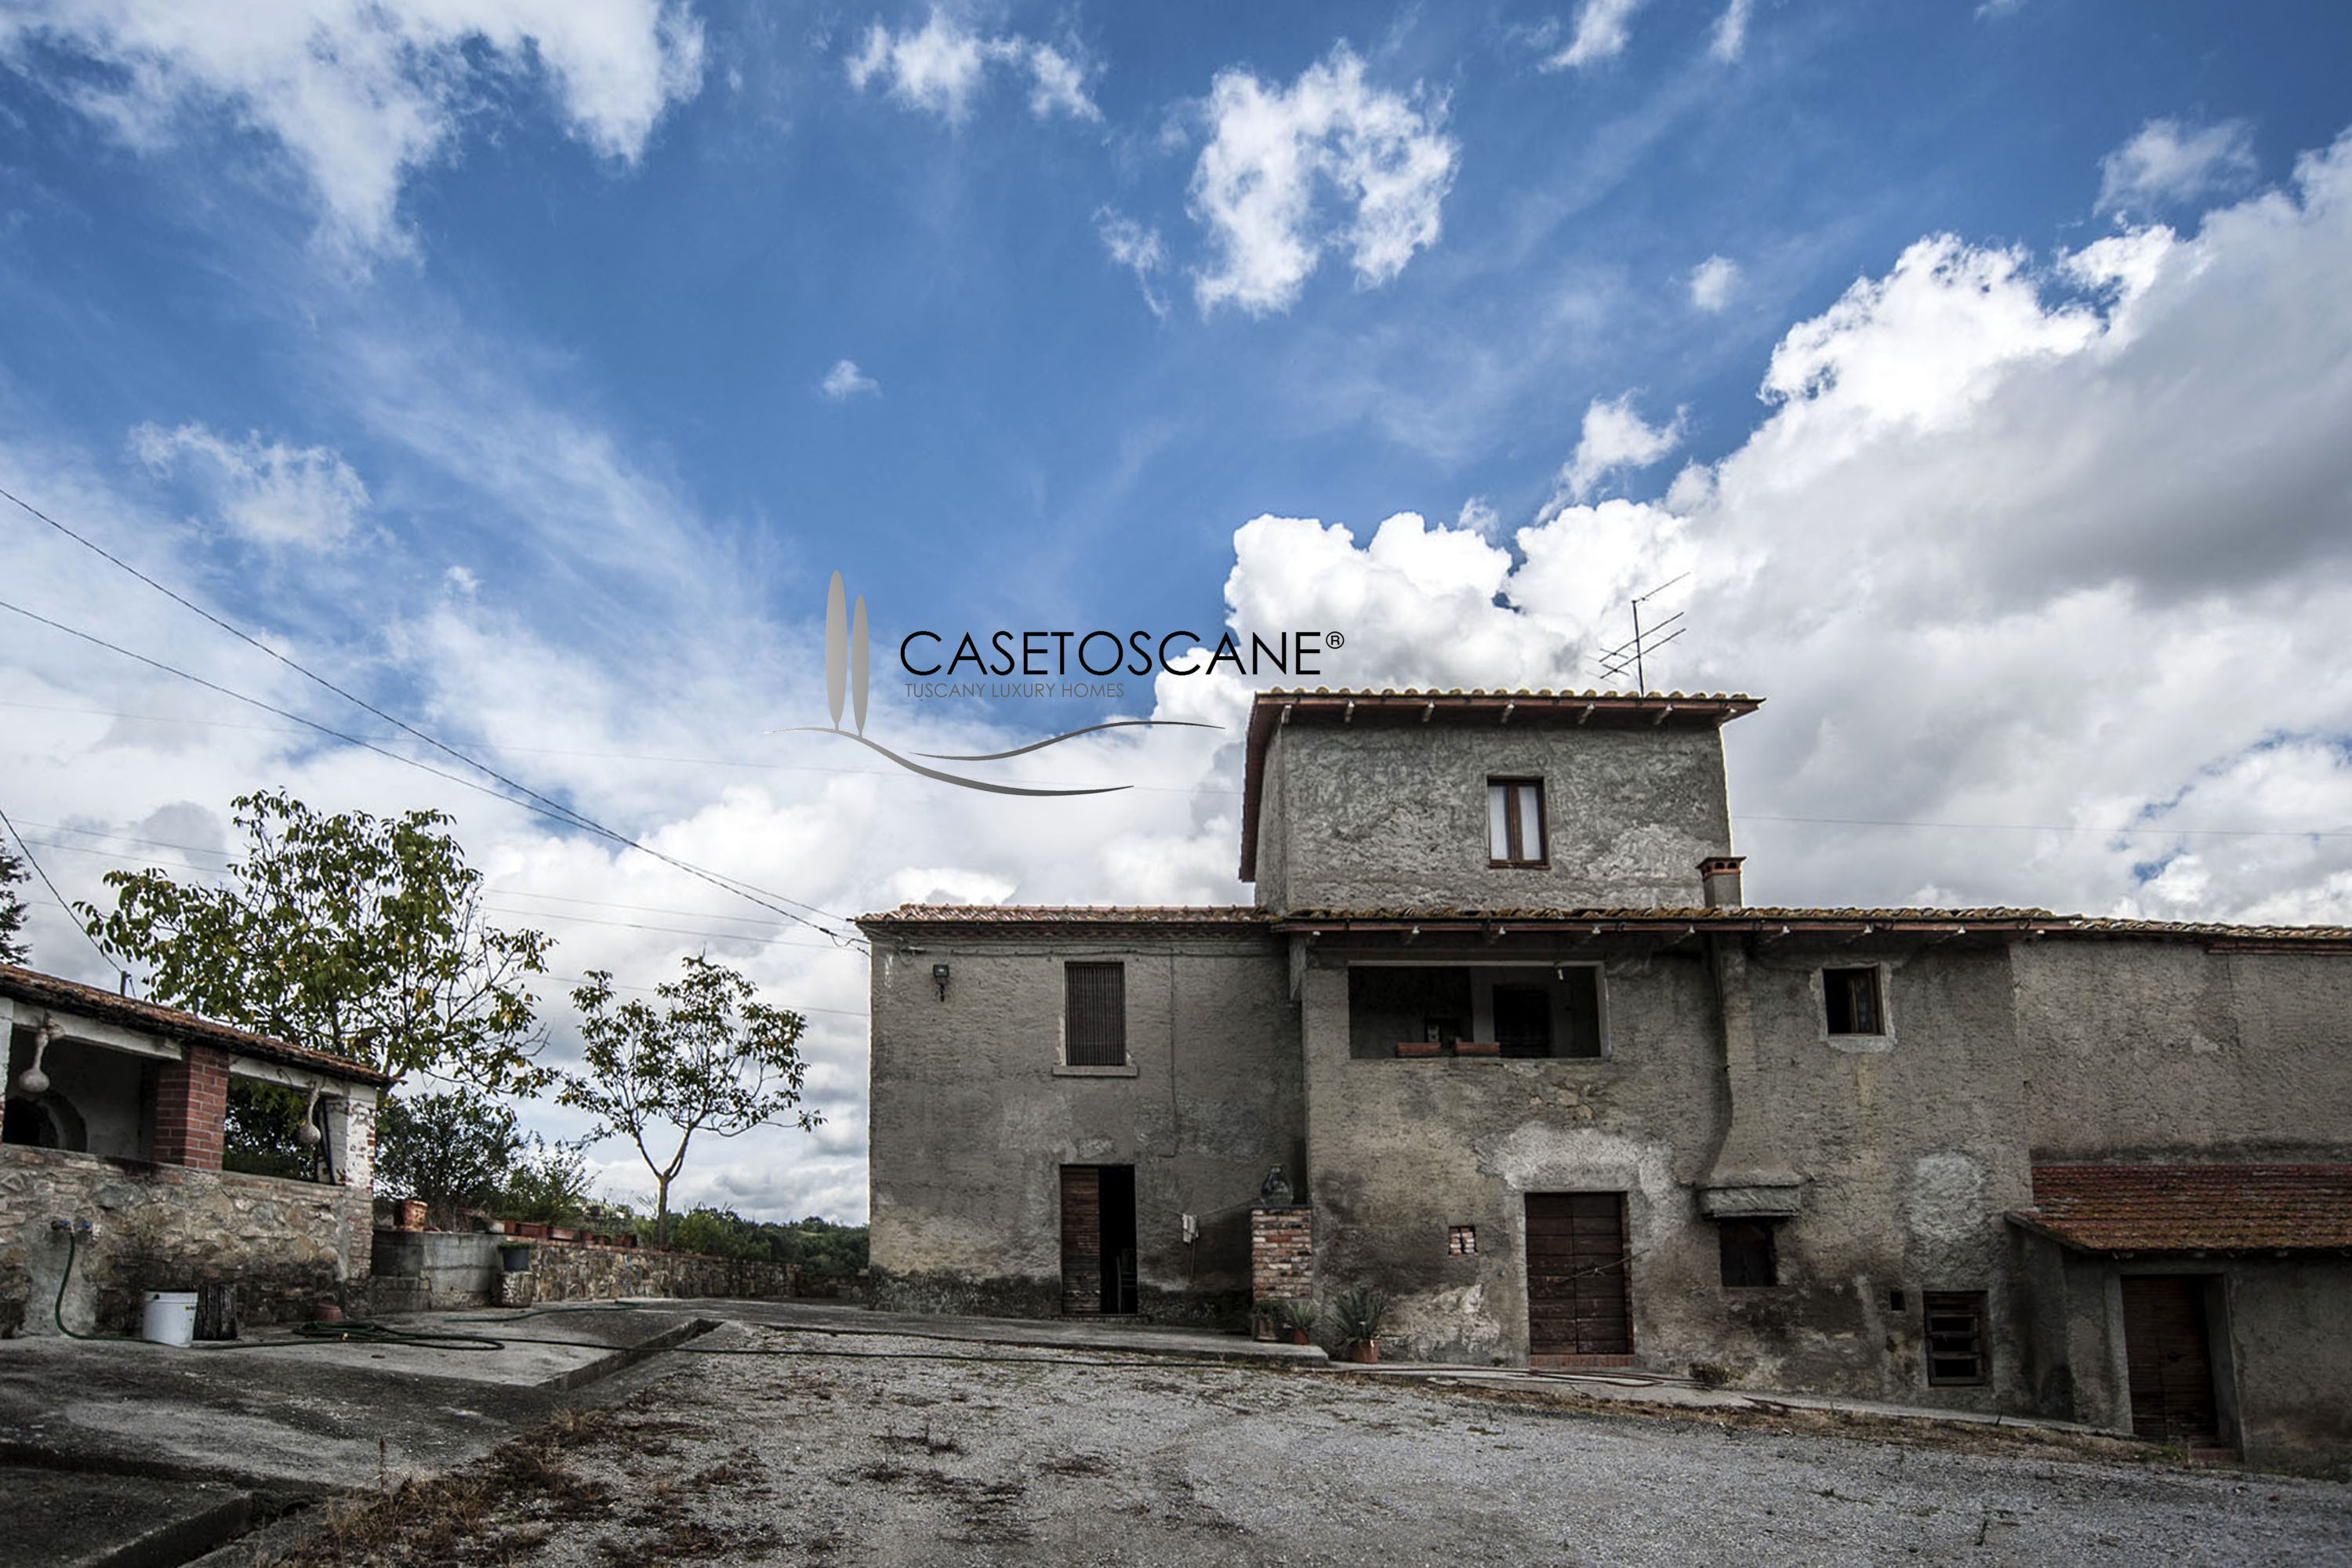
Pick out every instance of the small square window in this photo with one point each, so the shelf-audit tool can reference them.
(1956, 1338)
(1515, 822)
(1747, 1256)
(1094, 1014)
(1852, 1000)
(1461, 1240)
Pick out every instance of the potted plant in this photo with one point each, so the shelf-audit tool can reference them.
(1298, 1317)
(1358, 1312)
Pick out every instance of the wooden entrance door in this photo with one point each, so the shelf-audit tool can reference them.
(2170, 1358)
(1577, 1303)
(1098, 1263)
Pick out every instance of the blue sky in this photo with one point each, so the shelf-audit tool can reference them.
(532, 369)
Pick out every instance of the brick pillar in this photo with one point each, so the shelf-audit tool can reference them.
(191, 1105)
(1281, 1256)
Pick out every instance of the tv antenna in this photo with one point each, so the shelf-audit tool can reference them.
(1645, 640)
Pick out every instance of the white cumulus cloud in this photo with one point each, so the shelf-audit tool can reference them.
(2168, 162)
(846, 381)
(359, 95)
(1331, 160)
(941, 66)
(1614, 440)
(266, 491)
(2052, 586)
(1713, 282)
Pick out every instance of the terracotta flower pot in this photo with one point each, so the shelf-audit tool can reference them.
(1419, 1047)
(535, 1229)
(1477, 1048)
(558, 1233)
(1364, 1352)
(409, 1214)
(1299, 1337)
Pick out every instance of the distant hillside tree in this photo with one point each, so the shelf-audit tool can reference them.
(13, 949)
(712, 1058)
(359, 935)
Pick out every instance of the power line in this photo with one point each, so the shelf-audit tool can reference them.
(35, 862)
(553, 808)
(566, 817)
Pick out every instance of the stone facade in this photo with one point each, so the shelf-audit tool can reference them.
(1817, 1129)
(286, 1245)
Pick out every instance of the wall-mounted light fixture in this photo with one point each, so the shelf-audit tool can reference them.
(939, 978)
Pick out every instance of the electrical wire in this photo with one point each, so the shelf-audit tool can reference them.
(564, 815)
(33, 861)
(552, 808)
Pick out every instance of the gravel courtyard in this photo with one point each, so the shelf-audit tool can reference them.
(864, 1454)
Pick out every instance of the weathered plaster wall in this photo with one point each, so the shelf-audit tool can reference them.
(2160, 1050)
(169, 1227)
(973, 1117)
(1370, 816)
(1401, 1150)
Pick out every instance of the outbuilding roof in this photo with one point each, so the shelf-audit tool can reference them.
(1572, 710)
(95, 1002)
(2192, 1208)
(1033, 918)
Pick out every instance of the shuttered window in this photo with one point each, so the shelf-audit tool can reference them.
(1515, 822)
(1094, 1014)
(1850, 996)
(1956, 1338)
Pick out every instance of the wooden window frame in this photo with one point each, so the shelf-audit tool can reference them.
(1938, 1347)
(1836, 975)
(1093, 1054)
(1514, 835)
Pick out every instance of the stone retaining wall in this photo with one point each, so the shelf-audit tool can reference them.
(284, 1244)
(427, 1271)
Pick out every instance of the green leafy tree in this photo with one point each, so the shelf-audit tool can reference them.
(457, 1150)
(262, 1132)
(712, 1058)
(550, 1184)
(359, 935)
(13, 949)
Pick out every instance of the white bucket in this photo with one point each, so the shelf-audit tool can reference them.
(170, 1318)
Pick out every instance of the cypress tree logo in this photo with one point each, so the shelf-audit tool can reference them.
(848, 667)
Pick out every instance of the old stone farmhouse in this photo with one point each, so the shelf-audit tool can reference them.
(1531, 1064)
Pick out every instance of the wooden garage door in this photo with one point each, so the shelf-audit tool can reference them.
(1082, 1238)
(1576, 1278)
(2170, 1356)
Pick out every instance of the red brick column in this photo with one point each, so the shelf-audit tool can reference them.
(1281, 1256)
(191, 1105)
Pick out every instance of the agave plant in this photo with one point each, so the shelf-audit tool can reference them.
(1360, 1312)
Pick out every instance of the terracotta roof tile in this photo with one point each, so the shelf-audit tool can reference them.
(72, 996)
(2193, 1208)
(1189, 916)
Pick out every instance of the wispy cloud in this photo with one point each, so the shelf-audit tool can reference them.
(1713, 282)
(2168, 162)
(1729, 41)
(1604, 28)
(1277, 154)
(941, 66)
(846, 381)
(1139, 250)
(358, 96)
(266, 491)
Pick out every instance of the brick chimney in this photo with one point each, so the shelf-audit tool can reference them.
(1720, 875)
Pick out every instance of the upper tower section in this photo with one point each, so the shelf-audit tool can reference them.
(1491, 800)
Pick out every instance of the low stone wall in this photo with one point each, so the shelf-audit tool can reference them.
(429, 1270)
(284, 1244)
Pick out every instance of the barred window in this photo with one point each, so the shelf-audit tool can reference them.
(1094, 1014)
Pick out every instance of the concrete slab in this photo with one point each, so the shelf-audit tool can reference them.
(299, 1415)
(1107, 1334)
(59, 1519)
